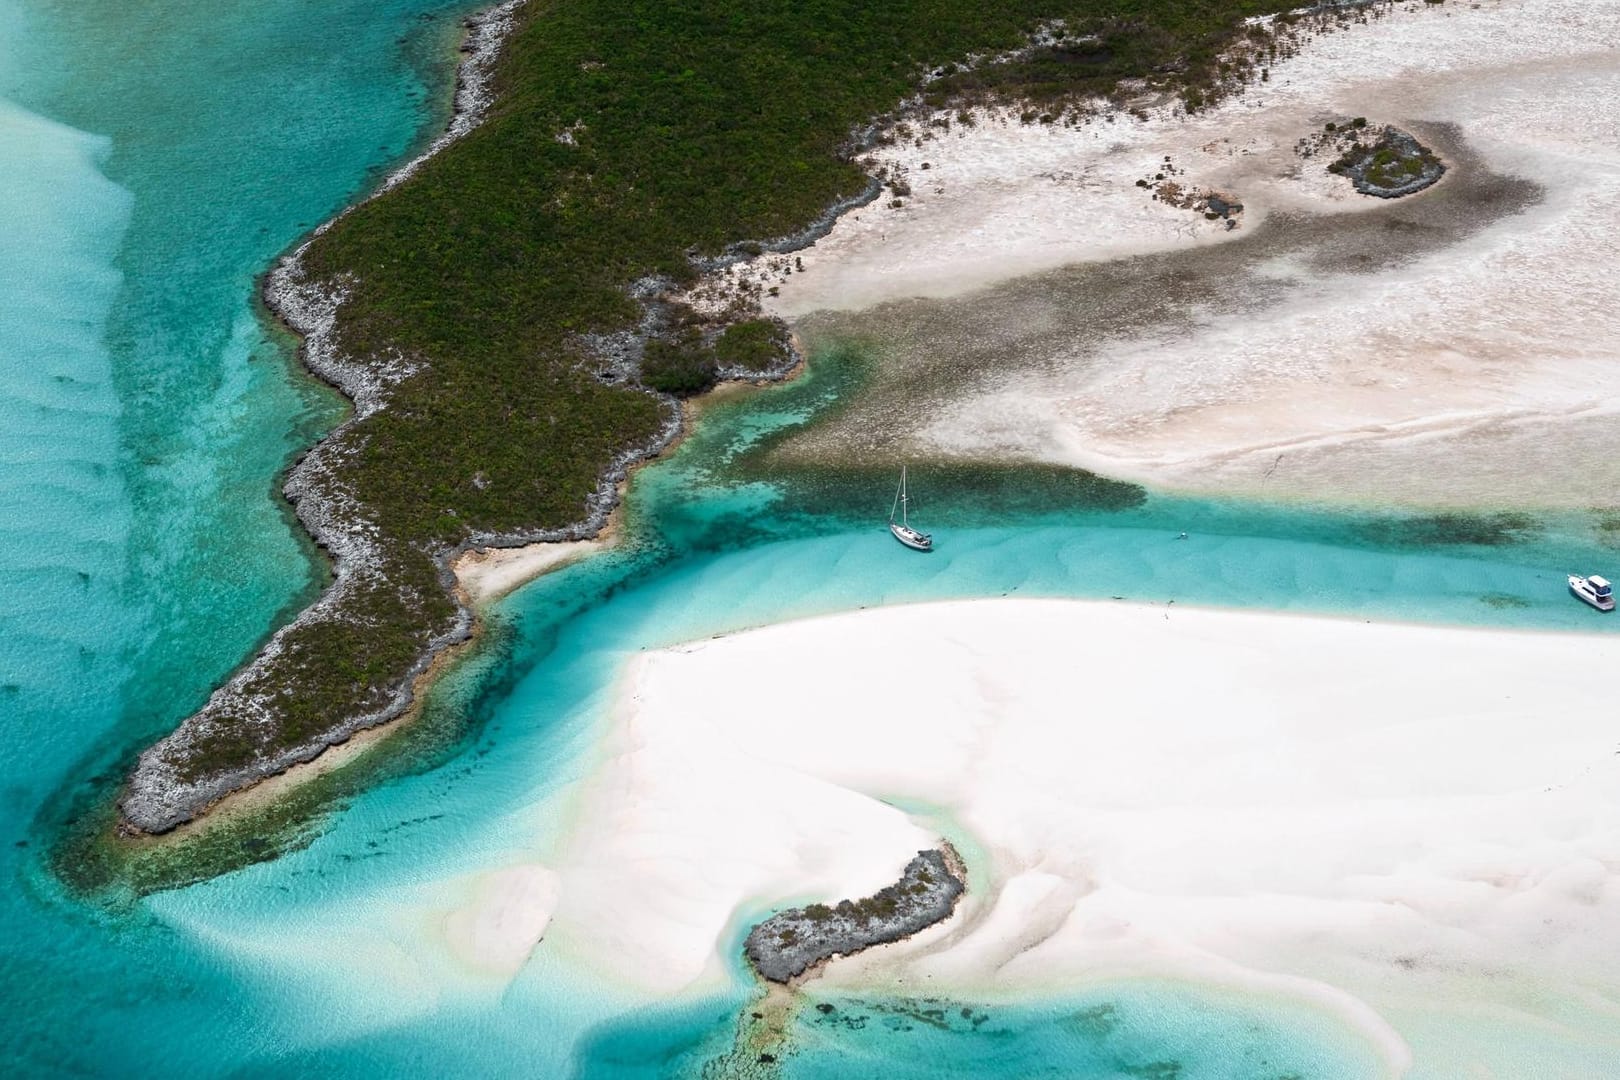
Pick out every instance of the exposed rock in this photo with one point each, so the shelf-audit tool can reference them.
(1214, 205)
(1384, 162)
(792, 942)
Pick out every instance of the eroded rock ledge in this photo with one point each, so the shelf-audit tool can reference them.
(792, 942)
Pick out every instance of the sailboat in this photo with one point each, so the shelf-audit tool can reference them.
(902, 529)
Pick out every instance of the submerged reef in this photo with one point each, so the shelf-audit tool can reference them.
(792, 942)
(1454, 529)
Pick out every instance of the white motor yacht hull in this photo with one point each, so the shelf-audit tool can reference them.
(1586, 594)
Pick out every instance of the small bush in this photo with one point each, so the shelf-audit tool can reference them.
(681, 368)
(755, 345)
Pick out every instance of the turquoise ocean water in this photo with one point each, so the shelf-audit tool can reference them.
(151, 165)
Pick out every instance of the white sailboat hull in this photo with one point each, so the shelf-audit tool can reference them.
(902, 529)
(910, 537)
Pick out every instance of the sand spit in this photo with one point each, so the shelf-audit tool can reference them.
(487, 574)
(1414, 828)
(1471, 362)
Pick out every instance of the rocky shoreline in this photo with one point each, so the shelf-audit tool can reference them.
(1393, 165)
(159, 797)
(789, 943)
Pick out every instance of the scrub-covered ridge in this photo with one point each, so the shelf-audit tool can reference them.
(497, 311)
(792, 942)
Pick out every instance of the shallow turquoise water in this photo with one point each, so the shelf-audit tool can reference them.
(150, 166)
(1155, 1031)
(153, 158)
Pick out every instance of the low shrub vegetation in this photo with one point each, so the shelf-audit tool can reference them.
(626, 138)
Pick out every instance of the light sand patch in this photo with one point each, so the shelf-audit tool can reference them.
(1392, 821)
(490, 573)
(1482, 371)
(1001, 198)
(504, 918)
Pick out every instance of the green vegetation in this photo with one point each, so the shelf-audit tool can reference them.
(753, 345)
(1389, 164)
(1096, 48)
(628, 136)
(681, 366)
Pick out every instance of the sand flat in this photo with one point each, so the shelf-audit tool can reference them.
(1477, 368)
(1381, 819)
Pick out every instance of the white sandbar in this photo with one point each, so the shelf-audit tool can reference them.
(1385, 820)
(504, 918)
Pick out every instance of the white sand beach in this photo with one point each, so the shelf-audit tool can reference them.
(1474, 374)
(1400, 824)
(487, 574)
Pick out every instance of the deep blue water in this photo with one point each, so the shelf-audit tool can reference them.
(152, 163)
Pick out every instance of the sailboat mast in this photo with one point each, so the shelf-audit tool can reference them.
(902, 529)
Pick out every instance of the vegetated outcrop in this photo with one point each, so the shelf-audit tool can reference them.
(792, 942)
(1382, 161)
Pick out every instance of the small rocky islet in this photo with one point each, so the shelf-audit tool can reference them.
(1381, 161)
(791, 942)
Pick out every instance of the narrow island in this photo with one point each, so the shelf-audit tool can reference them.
(503, 312)
(792, 942)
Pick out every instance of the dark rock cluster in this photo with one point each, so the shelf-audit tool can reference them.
(1214, 205)
(1384, 162)
(791, 942)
